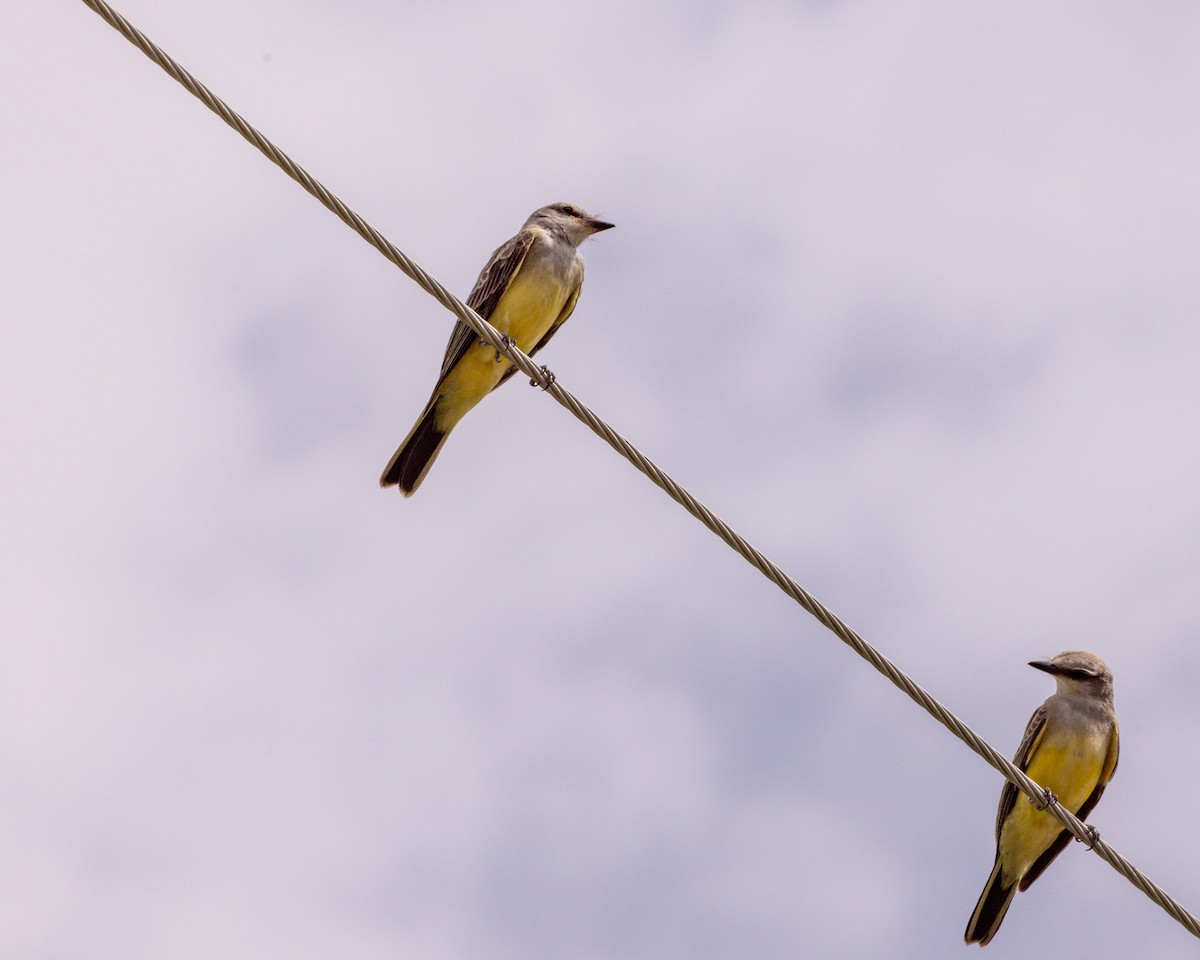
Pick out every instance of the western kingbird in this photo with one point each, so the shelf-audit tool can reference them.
(1070, 747)
(527, 290)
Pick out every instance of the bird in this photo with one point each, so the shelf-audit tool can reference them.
(1070, 748)
(527, 291)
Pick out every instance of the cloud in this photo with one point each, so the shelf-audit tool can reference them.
(908, 298)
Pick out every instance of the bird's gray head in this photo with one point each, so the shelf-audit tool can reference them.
(571, 222)
(1078, 672)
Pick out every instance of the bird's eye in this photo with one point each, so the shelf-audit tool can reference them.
(569, 210)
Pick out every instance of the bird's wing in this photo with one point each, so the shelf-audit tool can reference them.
(1029, 742)
(1064, 838)
(566, 311)
(1114, 754)
(489, 288)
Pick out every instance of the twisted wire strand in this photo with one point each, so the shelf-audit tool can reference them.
(660, 478)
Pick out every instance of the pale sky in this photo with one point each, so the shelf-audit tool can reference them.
(908, 294)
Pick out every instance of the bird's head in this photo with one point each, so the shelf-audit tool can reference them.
(571, 221)
(1078, 672)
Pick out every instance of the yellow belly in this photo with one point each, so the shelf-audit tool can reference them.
(1070, 770)
(526, 312)
(529, 307)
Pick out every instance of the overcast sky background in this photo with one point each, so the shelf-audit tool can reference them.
(906, 293)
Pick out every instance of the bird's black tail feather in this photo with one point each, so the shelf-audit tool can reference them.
(991, 908)
(420, 448)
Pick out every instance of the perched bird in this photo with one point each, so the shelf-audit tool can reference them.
(1070, 748)
(527, 291)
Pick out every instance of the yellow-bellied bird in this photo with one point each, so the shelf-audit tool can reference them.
(1070, 748)
(527, 291)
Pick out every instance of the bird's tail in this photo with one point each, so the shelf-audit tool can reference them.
(991, 908)
(420, 448)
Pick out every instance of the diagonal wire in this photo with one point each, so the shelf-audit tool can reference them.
(731, 537)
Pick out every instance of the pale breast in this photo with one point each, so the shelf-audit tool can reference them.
(537, 294)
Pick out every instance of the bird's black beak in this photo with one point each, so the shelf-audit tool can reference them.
(1044, 665)
(598, 225)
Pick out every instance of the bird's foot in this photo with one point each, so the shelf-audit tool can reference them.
(548, 375)
(1093, 836)
(506, 343)
(1047, 799)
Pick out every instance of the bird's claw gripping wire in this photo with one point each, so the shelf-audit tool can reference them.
(1093, 836)
(506, 343)
(1047, 798)
(548, 375)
